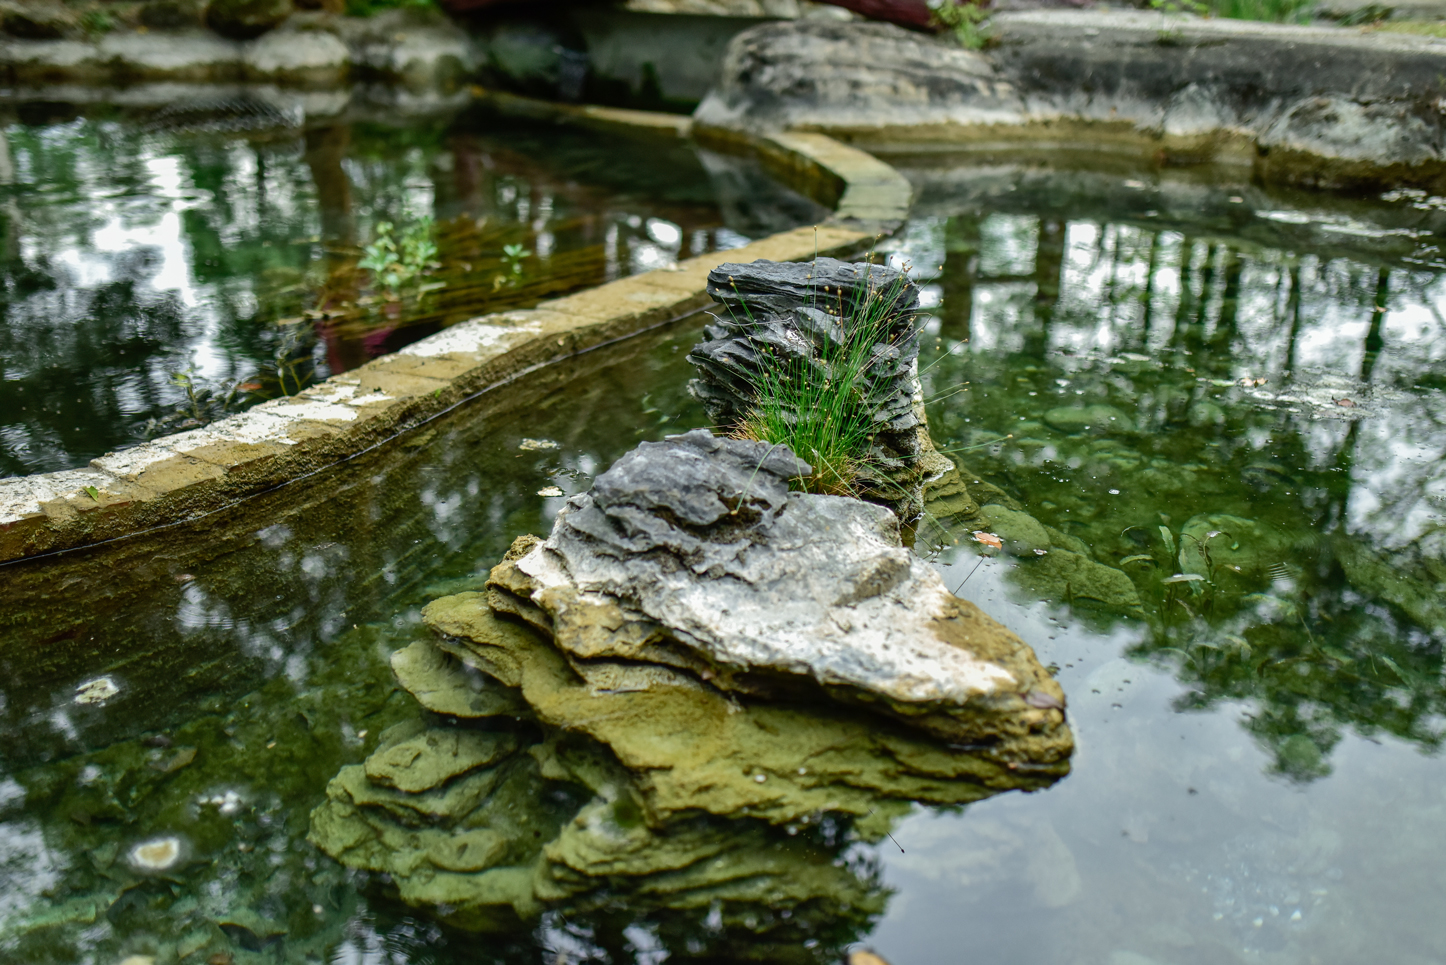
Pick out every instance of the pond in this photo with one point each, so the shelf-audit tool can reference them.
(1230, 399)
(164, 268)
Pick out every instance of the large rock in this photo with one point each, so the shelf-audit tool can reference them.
(313, 57)
(1315, 105)
(699, 544)
(796, 317)
(847, 75)
(717, 677)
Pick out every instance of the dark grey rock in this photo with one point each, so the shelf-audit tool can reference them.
(244, 19)
(794, 314)
(36, 21)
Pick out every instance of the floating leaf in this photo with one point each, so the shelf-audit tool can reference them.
(1184, 578)
(989, 540)
(1141, 558)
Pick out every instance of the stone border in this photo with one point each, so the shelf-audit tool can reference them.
(862, 190)
(183, 477)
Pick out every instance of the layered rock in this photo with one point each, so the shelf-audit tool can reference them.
(796, 317)
(713, 678)
(1312, 105)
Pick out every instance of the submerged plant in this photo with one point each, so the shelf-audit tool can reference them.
(823, 406)
(512, 257)
(396, 263)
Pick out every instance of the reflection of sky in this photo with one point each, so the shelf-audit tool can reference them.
(1399, 450)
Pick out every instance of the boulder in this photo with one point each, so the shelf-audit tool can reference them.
(718, 675)
(244, 19)
(698, 544)
(822, 74)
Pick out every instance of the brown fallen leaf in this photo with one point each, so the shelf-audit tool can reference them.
(989, 540)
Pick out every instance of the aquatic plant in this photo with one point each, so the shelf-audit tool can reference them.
(824, 408)
(966, 21)
(396, 263)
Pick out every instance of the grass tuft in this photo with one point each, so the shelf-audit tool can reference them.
(822, 405)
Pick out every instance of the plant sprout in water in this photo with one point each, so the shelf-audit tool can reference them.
(395, 263)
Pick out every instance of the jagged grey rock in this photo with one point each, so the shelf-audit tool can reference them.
(699, 539)
(796, 315)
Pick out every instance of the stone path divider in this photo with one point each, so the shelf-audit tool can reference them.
(184, 477)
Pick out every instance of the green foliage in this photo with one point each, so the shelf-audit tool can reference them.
(1274, 11)
(512, 258)
(821, 407)
(396, 264)
(96, 21)
(1180, 6)
(366, 8)
(966, 21)
(206, 401)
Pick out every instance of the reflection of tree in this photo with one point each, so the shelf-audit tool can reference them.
(1326, 617)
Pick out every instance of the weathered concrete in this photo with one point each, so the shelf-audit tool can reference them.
(1323, 106)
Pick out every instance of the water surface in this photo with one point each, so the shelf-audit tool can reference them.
(1147, 363)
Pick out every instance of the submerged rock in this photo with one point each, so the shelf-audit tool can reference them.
(724, 682)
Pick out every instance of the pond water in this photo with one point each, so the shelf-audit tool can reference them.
(1177, 379)
(161, 269)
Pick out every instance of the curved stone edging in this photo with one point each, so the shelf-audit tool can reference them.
(1319, 106)
(182, 477)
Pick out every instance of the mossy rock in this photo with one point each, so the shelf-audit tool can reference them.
(244, 19)
(36, 21)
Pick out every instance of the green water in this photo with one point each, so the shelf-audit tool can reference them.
(1255, 780)
(141, 250)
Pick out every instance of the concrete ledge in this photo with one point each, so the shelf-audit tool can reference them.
(865, 192)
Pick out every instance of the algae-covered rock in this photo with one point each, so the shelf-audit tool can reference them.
(719, 685)
(773, 588)
(419, 761)
(445, 684)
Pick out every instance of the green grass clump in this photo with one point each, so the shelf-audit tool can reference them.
(822, 407)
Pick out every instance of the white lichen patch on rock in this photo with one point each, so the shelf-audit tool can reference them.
(473, 335)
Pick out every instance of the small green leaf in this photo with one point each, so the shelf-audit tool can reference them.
(1169, 539)
(93, 493)
(1142, 558)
